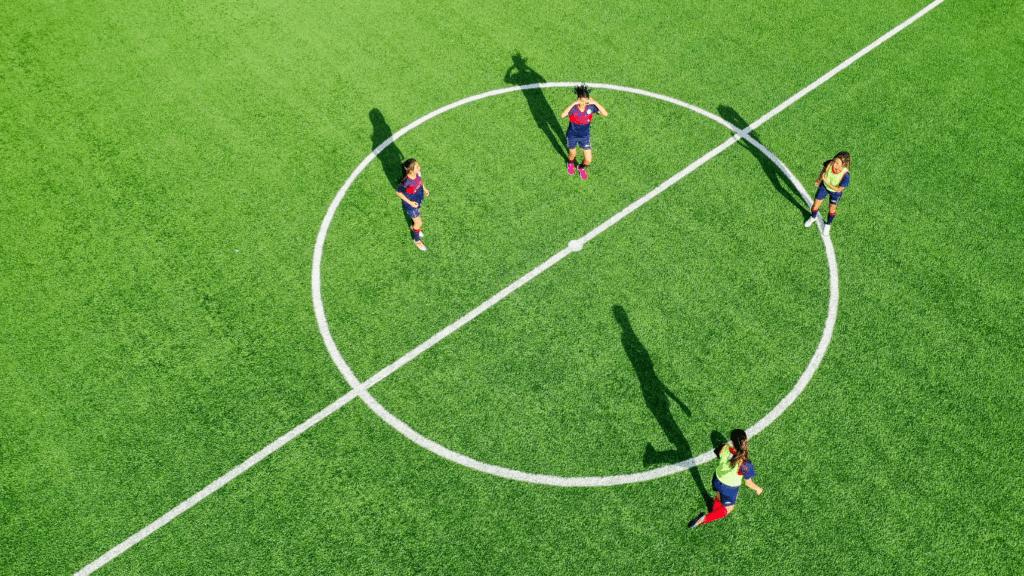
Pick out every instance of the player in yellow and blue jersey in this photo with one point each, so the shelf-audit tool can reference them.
(833, 179)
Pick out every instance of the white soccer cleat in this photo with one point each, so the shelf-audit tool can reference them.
(809, 221)
(421, 246)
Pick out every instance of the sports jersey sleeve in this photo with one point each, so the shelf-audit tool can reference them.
(845, 181)
(747, 470)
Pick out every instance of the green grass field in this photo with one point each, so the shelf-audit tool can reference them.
(165, 171)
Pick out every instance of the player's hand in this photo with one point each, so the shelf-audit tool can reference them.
(760, 491)
(414, 204)
(426, 192)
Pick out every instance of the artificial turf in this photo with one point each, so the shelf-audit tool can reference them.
(166, 168)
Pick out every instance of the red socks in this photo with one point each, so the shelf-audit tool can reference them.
(717, 512)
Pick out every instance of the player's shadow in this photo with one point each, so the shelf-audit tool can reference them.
(777, 177)
(657, 396)
(520, 74)
(390, 157)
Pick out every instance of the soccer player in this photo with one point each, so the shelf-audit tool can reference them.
(412, 191)
(580, 114)
(833, 179)
(734, 468)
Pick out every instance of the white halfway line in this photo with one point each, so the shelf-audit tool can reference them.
(337, 404)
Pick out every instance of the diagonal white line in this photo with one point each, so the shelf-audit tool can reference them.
(216, 484)
(359, 387)
(846, 63)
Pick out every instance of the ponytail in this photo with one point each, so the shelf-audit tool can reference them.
(406, 166)
(740, 443)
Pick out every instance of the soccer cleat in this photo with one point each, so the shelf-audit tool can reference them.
(698, 521)
(583, 172)
(571, 167)
(419, 244)
(809, 221)
(827, 228)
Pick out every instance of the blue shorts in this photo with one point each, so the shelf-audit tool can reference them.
(729, 493)
(833, 197)
(412, 212)
(572, 140)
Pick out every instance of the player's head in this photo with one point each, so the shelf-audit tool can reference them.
(409, 166)
(408, 170)
(845, 157)
(740, 443)
(582, 91)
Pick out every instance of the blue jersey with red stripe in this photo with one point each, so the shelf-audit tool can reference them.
(413, 188)
(579, 120)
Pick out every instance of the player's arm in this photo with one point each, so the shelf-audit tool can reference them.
(568, 108)
(750, 484)
(406, 200)
(600, 109)
(838, 188)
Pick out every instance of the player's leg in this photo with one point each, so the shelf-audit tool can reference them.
(724, 503)
(831, 217)
(833, 203)
(571, 143)
(417, 227)
(819, 197)
(417, 232)
(588, 158)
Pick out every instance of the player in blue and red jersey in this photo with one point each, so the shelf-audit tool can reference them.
(734, 468)
(412, 191)
(580, 113)
(833, 179)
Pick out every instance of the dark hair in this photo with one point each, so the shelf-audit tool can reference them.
(406, 166)
(582, 91)
(740, 443)
(845, 157)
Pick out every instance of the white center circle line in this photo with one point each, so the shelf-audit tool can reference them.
(362, 388)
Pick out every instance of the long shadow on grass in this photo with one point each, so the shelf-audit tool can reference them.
(778, 179)
(657, 396)
(390, 157)
(520, 74)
